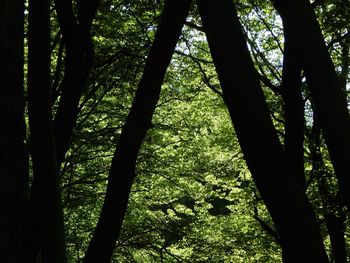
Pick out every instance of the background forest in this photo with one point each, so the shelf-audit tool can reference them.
(72, 124)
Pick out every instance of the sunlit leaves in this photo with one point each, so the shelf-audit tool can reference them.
(193, 199)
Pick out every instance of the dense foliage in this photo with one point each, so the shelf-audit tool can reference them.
(193, 198)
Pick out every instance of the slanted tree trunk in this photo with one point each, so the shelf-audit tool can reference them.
(284, 197)
(13, 156)
(330, 102)
(45, 225)
(122, 170)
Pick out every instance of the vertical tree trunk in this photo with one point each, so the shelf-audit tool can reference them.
(335, 226)
(78, 62)
(330, 102)
(267, 162)
(122, 170)
(45, 230)
(294, 111)
(13, 157)
(334, 223)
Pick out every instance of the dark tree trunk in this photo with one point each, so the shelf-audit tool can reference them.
(78, 62)
(284, 197)
(334, 223)
(45, 229)
(294, 111)
(329, 99)
(335, 226)
(13, 156)
(122, 170)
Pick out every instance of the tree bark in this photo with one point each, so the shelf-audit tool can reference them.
(45, 228)
(284, 197)
(13, 156)
(122, 170)
(330, 101)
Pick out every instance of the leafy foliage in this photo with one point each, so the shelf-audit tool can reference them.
(193, 199)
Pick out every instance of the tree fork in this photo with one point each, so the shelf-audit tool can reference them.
(78, 63)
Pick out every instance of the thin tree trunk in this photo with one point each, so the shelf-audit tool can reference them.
(284, 197)
(294, 111)
(334, 223)
(45, 230)
(78, 63)
(122, 170)
(330, 102)
(335, 226)
(13, 156)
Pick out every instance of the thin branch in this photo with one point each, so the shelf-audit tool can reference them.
(317, 3)
(257, 11)
(338, 39)
(193, 25)
(268, 229)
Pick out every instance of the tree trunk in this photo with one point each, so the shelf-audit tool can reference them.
(334, 223)
(13, 156)
(335, 226)
(294, 111)
(78, 63)
(45, 230)
(284, 197)
(122, 170)
(330, 102)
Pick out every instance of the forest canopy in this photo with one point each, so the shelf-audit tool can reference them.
(174, 131)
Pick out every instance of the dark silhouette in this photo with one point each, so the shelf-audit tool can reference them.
(122, 170)
(13, 154)
(273, 175)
